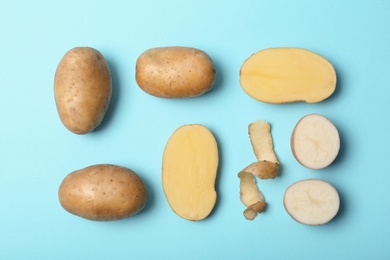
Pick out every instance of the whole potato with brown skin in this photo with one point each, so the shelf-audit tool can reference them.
(175, 72)
(82, 89)
(103, 192)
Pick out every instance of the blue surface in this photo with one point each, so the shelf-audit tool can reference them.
(36, 151)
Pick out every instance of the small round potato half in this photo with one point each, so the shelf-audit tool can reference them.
(312, 202)
(315, 141)
(175, 72)
(103, 192)
(82, 89)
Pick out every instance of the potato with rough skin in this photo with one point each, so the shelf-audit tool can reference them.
(175, 72)
(103, 192)
(283, 75)
(82, 89)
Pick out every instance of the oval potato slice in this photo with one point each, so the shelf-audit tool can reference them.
(283, 75)
(189, 171)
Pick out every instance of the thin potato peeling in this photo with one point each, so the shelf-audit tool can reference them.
(266, 167)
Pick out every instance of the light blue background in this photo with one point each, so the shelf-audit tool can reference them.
(36, 151)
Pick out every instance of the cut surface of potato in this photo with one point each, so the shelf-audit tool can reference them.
(312, 202)
(282, 75)
(315, 141)
(189, 171)
(261, 140)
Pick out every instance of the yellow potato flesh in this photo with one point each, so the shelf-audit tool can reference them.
(283, 75)
(189, 171)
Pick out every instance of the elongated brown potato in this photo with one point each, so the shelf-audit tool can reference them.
(103, 192)
(82, 89)
(175, 72)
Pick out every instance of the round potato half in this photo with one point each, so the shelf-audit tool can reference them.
(312, 202)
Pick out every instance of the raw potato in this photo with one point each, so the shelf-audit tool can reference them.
(250, 195)
(315, 141)
(312, 202)
(189, 171)
(103, 192)
(282, 75)
(82, 89)
(175, 72)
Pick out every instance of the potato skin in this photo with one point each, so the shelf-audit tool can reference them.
(82, 89)
(103, 192)
(175, 72)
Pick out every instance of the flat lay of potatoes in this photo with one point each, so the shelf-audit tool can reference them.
(106, 192)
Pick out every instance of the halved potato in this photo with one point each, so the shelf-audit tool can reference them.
(312, 202)
(315, 141)
(189, 171)
(282, 75)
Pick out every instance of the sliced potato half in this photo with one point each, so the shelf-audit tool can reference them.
(312, 202)
(189, 171)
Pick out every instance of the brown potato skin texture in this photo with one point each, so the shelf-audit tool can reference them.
(82, 89)
(263, 169)
(103, 192)
(175, 72)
